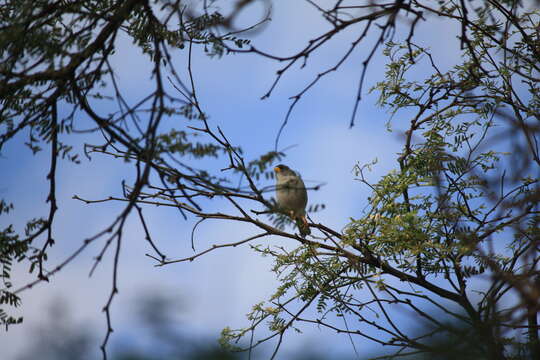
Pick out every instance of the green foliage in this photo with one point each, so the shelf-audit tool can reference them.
(11, 250)
(180, 142)
(460, 206)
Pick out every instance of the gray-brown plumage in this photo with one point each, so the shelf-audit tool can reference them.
(291, 196)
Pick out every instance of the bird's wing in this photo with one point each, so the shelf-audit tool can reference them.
(291, 182)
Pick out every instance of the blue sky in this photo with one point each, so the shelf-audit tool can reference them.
(217, 289)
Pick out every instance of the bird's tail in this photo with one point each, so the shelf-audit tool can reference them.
(303, 227)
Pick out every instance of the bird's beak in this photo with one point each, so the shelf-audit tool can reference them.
(277, 169)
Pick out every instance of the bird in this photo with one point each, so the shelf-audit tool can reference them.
(292, 197)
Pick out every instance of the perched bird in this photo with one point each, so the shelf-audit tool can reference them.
(292, 196)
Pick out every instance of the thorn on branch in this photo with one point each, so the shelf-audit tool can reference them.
(197, 129)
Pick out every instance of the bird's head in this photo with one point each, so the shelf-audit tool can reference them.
(283, 170)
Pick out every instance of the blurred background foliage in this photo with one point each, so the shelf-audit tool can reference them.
(157, 334)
